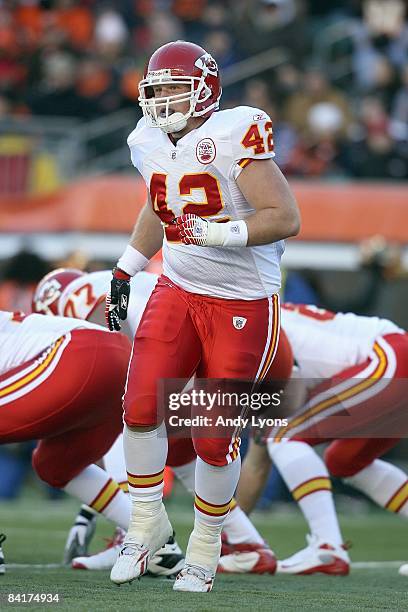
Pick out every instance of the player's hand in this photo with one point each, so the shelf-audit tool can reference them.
(117, 300)
(192, 229)
(79, 538)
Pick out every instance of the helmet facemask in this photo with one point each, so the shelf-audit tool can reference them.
(157, 110)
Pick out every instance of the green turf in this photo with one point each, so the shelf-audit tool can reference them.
(36, 531)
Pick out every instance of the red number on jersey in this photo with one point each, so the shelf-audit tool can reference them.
(308, 310)
(254, 140)
(158, 194)
(83, 295)
(269, 139)
(210, 185)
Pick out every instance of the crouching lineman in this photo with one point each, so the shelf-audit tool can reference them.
(72, 293)
(363, 362)
(220, 207)
(61, 382)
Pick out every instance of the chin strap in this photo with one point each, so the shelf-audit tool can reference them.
(175, 123)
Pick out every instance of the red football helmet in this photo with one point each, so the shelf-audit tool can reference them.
(49, 290)
(180, 63)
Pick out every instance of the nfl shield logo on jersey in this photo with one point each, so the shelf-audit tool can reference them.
(206, 151)
(239, 322)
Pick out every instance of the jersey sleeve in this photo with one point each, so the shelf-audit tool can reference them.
(251, 138)
(135, 144)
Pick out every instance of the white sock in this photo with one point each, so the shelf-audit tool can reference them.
(115, 465)
(94, 487)
(186, 474)
(215, 487)
(384, 483)
(307, 478)
(239, 528)
(145, 456)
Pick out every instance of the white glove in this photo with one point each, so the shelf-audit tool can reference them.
(195, 230)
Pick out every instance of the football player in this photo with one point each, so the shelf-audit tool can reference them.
(220, 208)
(57, 386)
(354, 368)
(70, 292)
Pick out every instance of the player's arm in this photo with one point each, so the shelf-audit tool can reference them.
(145, 241)
(267, 191)
(147, 235)
(254, 474)
(276, 212)
(264, 187)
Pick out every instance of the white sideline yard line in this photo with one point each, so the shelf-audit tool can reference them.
(356, 565)
(34, 565)
(376, 564)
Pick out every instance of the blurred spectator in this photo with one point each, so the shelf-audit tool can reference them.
(70, 20)
(322, 8)
(220, 44)
(19, 279)
(163, 28)
(287, 81)
(316, 89)
(382, 33)
(399, 111)
(376, 157)
(373, 152)
(256, 93)
(187, 10)
(111, 34)
(57, 93)
(98, 90)
(271, 24)
(83, 59)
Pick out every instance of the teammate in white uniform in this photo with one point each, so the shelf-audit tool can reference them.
(325, 343)
(75, 413)
(224, 207)
(347, 363)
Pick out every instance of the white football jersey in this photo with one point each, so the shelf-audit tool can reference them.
(198, 175)
(325, 343)
(84, 298)
(23, 338)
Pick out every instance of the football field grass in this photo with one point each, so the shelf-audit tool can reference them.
(36, 531)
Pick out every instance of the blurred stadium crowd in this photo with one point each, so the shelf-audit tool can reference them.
(338, 94)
